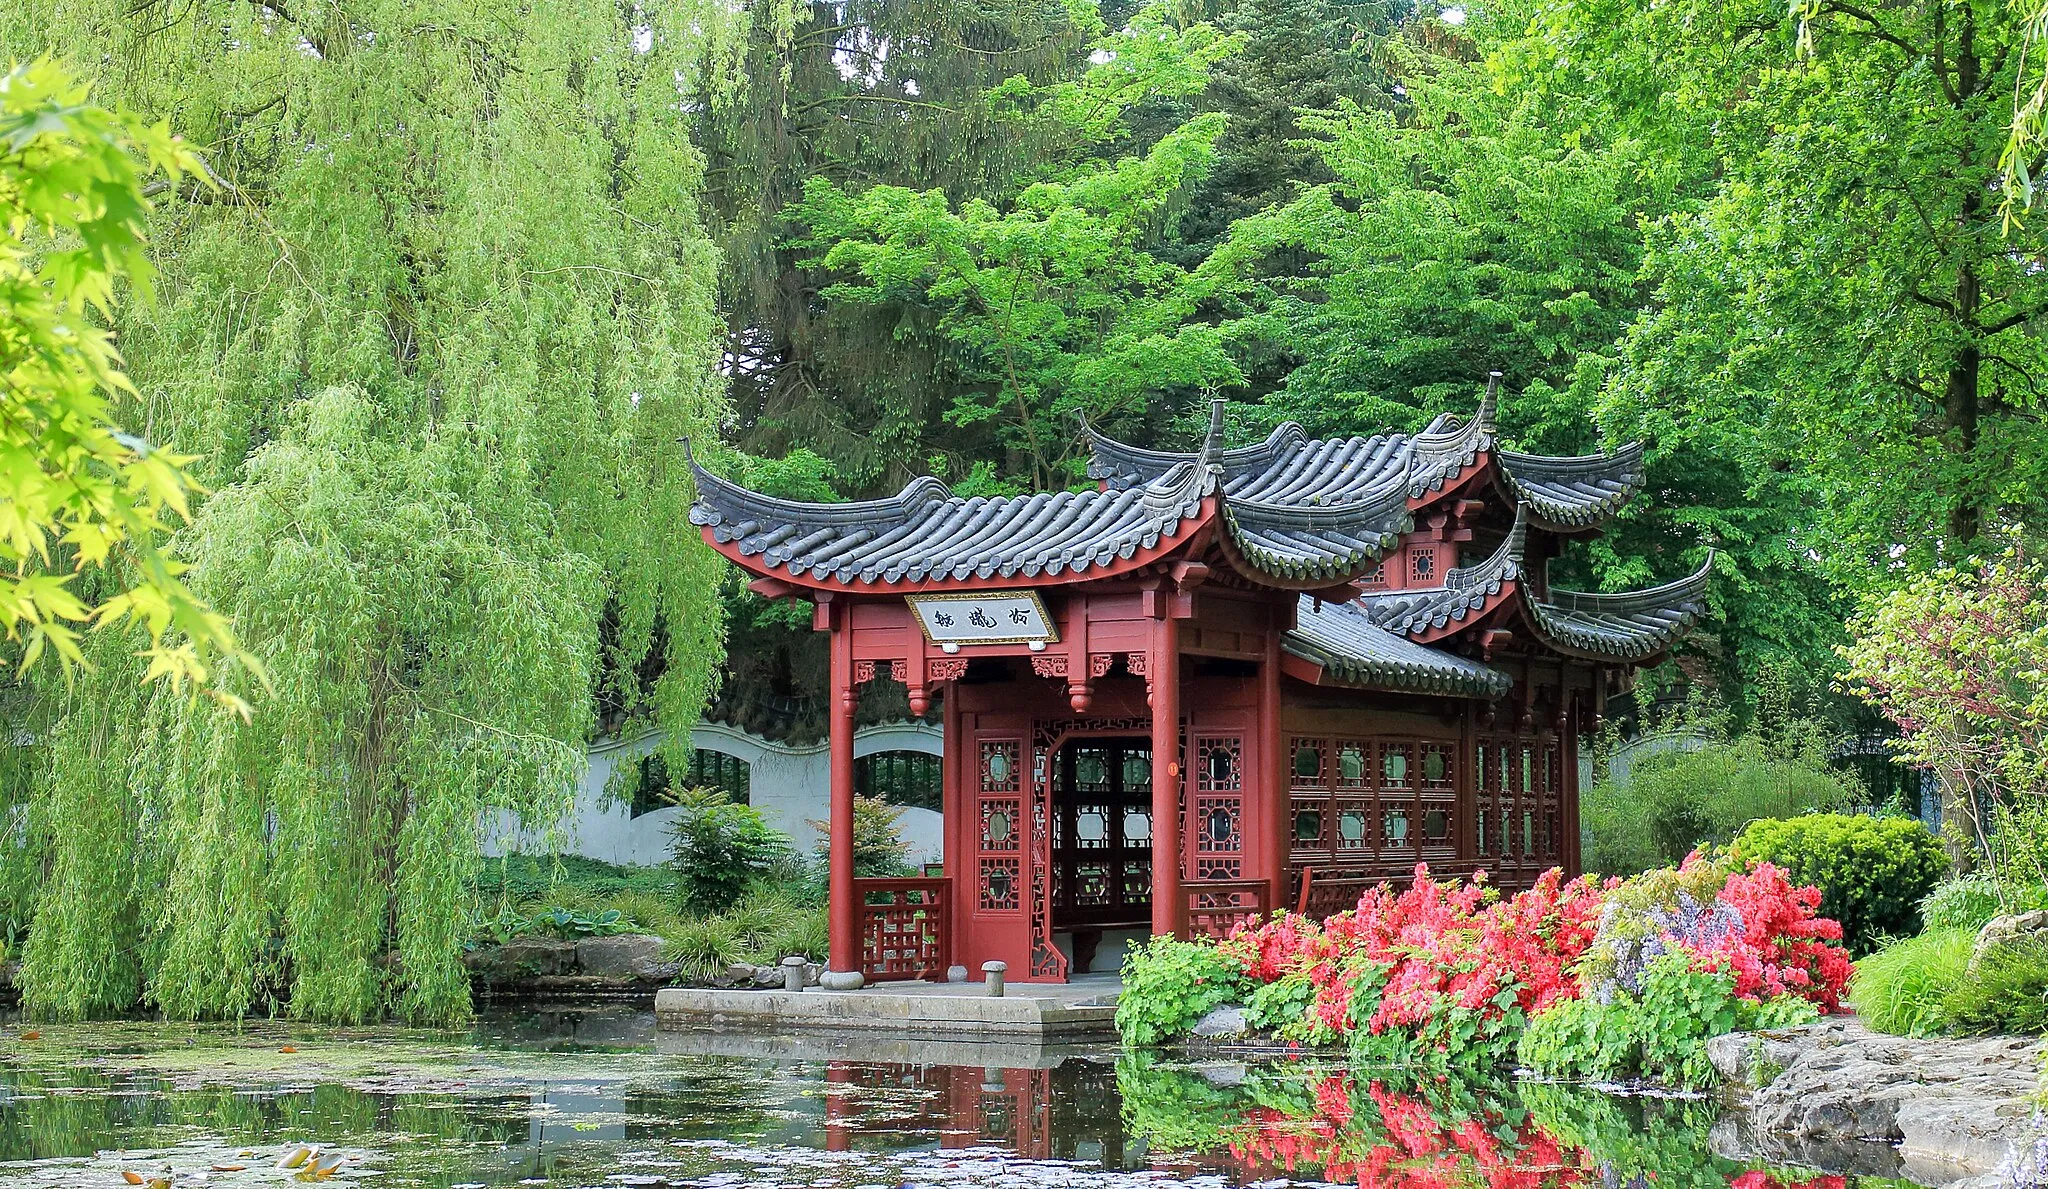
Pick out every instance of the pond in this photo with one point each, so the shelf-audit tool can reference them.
(599, 1099)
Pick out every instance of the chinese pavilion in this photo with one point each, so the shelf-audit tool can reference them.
(1295, 667)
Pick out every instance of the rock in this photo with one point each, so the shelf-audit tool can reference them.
(1956, 1108)
(739, 974)
(1222, 1073)
(767, 976)
(1223, 1023)
(2005, 930)
(1943, 1138)
(629, 955)
(524, 958)
(1750, 1059)
(813, 971)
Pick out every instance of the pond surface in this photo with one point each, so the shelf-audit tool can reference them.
(599, 1099)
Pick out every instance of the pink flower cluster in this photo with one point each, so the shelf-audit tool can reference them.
(1785, 947)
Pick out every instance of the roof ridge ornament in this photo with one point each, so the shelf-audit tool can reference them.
(1437, 454)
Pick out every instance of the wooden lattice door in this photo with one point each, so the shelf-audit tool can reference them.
(1102, 835)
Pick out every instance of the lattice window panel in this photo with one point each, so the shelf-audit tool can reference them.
(1423, 569)
(1311, 824)
(1002, 829)
(1351, 764)
(1002, 769)
(999, 880)
(1217, 825)
(1307, 764)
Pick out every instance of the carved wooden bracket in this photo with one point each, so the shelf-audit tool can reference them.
(1099, 663)
(947, 668)
(1049, 664)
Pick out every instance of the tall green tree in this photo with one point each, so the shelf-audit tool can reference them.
(1846, 310)
(869, 92)
(433, 338)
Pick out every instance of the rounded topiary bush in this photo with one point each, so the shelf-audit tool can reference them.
(1872, 872)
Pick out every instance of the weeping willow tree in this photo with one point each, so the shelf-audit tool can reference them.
(433, 337)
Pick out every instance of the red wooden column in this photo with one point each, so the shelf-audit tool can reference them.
(843, 968)
(1168, 903)
(1277, 796)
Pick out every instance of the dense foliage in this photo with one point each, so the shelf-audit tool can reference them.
(718, 849)
(1945, 982)
(77, 492)
(1956, 660)
(1872, 872)
(1691, 796)
(431, 342)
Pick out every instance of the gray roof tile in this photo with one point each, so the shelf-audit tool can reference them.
(1352, 650)
(1626, 626)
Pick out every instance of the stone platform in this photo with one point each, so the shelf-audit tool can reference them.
(1028, 1012)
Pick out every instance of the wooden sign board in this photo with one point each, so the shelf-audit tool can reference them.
(994, 617)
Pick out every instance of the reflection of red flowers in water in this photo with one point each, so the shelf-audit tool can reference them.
(1383, 1139)
(1401, 1143)
(1763, 1180)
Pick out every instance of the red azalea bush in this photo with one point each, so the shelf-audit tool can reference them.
(1785, 947)
(1429, 951)
(1453, 968)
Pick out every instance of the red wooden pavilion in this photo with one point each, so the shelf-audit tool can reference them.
(1297, 667)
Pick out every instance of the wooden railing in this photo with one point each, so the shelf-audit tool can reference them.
(902, 928)
(1216, 906)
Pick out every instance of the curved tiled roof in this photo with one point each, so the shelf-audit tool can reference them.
(1290, 469)
(1627, 626)
(1574, 493)
(1466, 593)
(1352, 650)
(925, 533)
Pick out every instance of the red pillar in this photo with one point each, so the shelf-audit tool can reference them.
(1276, 796)
(1168, 904)
(842, 914)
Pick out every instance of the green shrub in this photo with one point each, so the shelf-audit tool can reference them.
(1872, 871)
(704, 948)
(803, 933)
(516, 878)
(1902, 988)
(573, 923)
(1281, 1007)
(1661, 1035)
(2005, 992)
(1675, 802)
(719, 849)
(879, 851)
(1971, 901)
(1169, 984)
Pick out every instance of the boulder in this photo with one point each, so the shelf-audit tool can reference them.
(2005, 930)
(524, 958)
(629, 955)
(1224, 1023)
(1750, 1059)
(1955, 1108)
